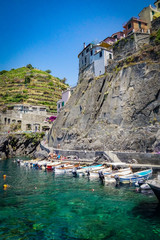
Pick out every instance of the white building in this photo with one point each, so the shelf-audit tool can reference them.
(65, 97)
(96, 55)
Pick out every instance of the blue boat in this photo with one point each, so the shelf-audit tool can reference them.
(132, 178)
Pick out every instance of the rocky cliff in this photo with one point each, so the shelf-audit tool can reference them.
(117, 111)
(19, 145)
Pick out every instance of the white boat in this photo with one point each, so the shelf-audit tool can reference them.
(106, 176)
(134, 177)
(86, 170)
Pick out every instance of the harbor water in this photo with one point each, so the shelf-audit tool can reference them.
(40, 205)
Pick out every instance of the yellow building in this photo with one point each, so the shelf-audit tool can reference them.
(148, 13)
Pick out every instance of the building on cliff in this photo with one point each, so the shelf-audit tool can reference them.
(94, 57)
(135, 25)
(65, 97)
(157, 4)
(25, 118)
(149, 13)
(114, 38)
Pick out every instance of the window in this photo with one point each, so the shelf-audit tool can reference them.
(110, 56)
(100, 54)
(58, 105)
(153, 12)
(82, 62)
(129, 26)
(87, 50)
(91, 52)
(158, 5)
(115, 36)
(62, 104)
(82, 54)
(140, 25)
(42, 109)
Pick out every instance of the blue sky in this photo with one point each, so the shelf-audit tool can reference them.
(49, 34)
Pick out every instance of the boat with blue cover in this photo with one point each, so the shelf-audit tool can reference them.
(132, 178)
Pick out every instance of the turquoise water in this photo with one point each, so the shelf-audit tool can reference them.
(40, 205)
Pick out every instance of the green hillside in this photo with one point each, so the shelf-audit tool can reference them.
(30, 85)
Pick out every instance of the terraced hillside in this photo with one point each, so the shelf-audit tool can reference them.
(30, 85)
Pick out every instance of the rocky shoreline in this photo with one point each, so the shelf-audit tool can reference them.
(12, 145)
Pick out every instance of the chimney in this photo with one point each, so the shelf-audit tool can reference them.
(84, 45)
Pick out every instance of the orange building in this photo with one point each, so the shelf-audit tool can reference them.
(135, 25)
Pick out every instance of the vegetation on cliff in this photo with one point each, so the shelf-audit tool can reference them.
(30, 85)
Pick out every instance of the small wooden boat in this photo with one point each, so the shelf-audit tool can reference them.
(86, 170)
(106, 176)
(132, 178)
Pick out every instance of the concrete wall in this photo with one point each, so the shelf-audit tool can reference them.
(142, 158)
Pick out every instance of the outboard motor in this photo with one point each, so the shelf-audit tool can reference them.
(117, 179)
(88, 173)
(101, 175)
(74, 172)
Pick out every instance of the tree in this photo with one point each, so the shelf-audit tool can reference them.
(27, 80)
(64, 80)
(29, 66)
(48, 71)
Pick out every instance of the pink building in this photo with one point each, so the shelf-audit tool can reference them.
(114, 38)
(65, 97)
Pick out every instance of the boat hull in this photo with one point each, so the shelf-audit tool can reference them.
(155, 189)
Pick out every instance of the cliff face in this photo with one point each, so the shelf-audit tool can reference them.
(19, 145)
(118, 111)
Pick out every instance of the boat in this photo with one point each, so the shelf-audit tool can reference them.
(87, 170)
(155, 186)
(111, 174)
(134, 177)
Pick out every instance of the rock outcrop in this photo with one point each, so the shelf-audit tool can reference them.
(17, 145)
(117, 111)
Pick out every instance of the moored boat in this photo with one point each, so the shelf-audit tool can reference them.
(155, 186)
(133, 178)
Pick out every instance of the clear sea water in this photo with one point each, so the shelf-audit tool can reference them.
(41, 205)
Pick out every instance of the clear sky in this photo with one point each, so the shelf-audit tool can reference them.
(49, 34)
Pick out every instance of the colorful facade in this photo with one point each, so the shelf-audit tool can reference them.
(135, 25)
(115, 37)
(148, 14)
(65, 97)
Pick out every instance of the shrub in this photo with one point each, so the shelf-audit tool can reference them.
(27, 80)
(2, 72)
(29, 66)
(48, 71)
(50, 84)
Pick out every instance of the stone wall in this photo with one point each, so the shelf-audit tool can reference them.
(24, 119)
(129, 45)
